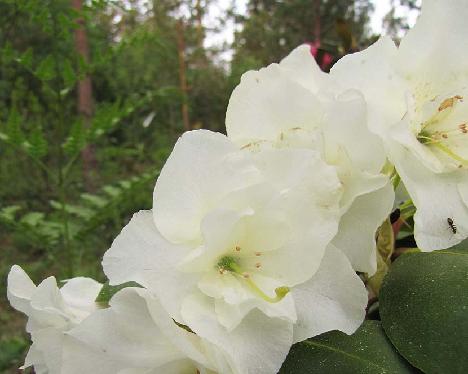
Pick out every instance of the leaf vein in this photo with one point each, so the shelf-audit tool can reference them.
(344, 353)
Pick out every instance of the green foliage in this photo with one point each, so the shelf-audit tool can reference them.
(90, 212)
(367, 351)
(108, 291)
(424, 309)
(10, 350)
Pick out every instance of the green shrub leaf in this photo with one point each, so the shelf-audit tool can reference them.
(367, 351)
(424, 309)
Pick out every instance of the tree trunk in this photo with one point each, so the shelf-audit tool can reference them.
(182, 76)
(85, 99)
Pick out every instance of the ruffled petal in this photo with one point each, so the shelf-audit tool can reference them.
(334, 299)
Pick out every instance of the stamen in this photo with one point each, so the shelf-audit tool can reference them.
(238, 248)
(448, 103)
(258, 254)
(258, 265)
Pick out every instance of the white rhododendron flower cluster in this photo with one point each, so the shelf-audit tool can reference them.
(255, 239)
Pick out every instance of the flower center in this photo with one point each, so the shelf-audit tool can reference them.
(232, 264)
(447, 130)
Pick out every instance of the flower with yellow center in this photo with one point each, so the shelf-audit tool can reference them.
(417, 99)
(238, 248)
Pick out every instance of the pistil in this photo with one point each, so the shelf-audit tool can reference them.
(229, 263)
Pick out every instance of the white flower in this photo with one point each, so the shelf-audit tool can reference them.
(294, 105)
(51, 311)
(135, 335)
(238, 249)
(417, 99)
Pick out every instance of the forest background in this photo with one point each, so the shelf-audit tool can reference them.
(94, 94)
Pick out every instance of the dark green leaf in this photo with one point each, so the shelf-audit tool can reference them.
(367, 351)
(424, 309)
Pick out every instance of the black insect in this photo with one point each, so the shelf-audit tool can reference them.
(452, 225)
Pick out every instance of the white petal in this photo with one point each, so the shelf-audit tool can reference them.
(20, 289)
(311, 212)
(141, 254)
(35, 358)
(267, 103)
(79, 358)
(189, 344)
(372, 72)
(437, 198)
(134, 250)
(286, 168)
(334, 299)
(48, 306)
(127, 333)
(203, 167)
(356, 234)
(346, 126)
(80, 294)
(258, 345)
(300, 66)
(50, 342)
(435, 50)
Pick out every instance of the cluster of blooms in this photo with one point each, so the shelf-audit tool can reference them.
(255, 238)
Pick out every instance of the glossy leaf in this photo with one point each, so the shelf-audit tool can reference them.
(424, 309)
(367, 351)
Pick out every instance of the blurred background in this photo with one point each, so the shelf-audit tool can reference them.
(93, 95)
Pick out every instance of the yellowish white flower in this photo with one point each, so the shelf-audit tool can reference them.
(238, 248)
(417, 95)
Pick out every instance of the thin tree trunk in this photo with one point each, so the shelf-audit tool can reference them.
(182, 76)
(85, 99)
